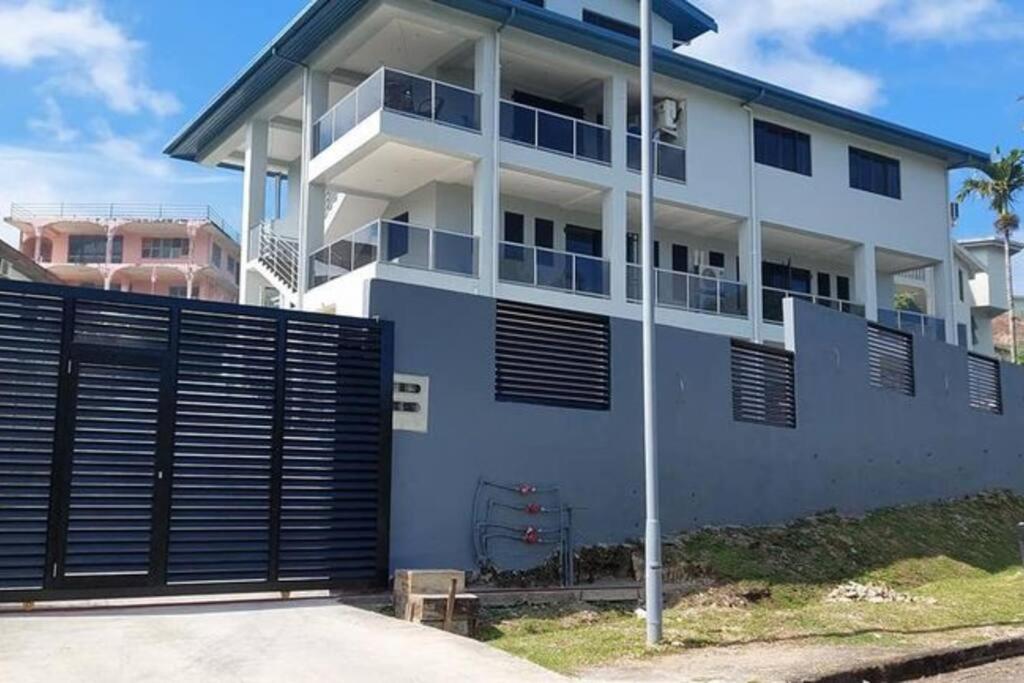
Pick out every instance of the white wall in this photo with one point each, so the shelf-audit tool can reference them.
(623, 10)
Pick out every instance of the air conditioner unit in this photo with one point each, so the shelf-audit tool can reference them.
(666, 116)
(705, 269)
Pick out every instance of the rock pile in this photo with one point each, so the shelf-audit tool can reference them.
(852, 591)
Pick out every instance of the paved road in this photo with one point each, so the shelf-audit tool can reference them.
(1006, 671)
(254, 643)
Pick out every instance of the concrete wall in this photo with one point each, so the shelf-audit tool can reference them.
(855, 447)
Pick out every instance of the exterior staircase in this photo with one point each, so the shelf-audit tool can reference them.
(276, 257)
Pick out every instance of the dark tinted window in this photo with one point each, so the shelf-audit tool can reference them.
(874, 173)
(842, 288)
(579, 240)
(611, 24)
(824, 285)
(716, 259)
(514, 227)
(782, 148)
(544, 233)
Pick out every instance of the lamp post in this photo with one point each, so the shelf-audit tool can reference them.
(652, 541)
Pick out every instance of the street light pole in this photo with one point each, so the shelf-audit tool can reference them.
(652, 543)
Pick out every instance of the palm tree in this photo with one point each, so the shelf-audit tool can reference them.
(1000, 183)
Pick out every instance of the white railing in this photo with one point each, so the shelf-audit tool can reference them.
(550, 269)
(400, 92)
(913, 322)
(106, 212)
(397, 243)
(772, 298)
(669, 159)
(278, 253)
(555, 132)
(690, 292)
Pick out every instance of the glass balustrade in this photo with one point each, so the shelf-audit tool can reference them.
(403, 93)
(669, 159)
(690, 292)
(555, 133)
(551, 269)
(396, 243)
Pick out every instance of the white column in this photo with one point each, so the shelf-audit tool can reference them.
(944, 284)
(38, 245)
(311, 195)
(750, 243)
(748, 248)
(615, 105)
(254, 198)
(865, 280)
(486, 174)
(614, 218)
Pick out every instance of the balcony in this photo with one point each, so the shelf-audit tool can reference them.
(395, 243)
(772, 298)
(555, 133)
(690, 292)
(549, 269)
(402, 93)
(669, 159)
(915, 323)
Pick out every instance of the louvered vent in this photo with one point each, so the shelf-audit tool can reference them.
(220, 510)
(890, 359)
(551, 356)
(331, 471)
(30, 334)
(984, 384)
(763, 385)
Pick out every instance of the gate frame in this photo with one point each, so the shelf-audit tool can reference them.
(157, 586)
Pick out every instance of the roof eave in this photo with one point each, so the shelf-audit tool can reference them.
(595, 39)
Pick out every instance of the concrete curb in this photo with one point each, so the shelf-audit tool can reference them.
(913, 667)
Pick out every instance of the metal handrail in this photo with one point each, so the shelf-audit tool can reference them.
(381, 102)
(691, 281)
(111, 211)
(278, 253)
(576, 123)
(573, 259)
(370, 235)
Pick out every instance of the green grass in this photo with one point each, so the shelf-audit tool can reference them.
(959, 557)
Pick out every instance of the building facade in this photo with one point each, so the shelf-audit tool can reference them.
(468, 169)
(168, 250)
(491, 147)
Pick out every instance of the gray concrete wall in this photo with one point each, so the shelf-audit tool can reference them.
(855, 447)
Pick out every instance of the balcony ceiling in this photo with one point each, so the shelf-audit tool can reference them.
(691, 221)
(783, 241)
(394, 170)
(538, 188)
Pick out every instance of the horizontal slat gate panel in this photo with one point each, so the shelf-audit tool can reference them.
(891, 359)
(984, 383)
(113, 469)
(220, 492)
(552, 356)
(30, 347)
(122, 325)
(763, 385)
(331, 469)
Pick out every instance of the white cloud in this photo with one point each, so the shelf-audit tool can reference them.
(52, 125)
(779, 40)
(92, 54)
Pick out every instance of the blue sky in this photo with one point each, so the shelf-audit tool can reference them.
(93, 89)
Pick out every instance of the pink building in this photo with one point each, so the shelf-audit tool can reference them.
(169, 250)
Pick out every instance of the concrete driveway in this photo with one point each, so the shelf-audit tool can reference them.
(251, 642)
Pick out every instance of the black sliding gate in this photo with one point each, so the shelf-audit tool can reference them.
(156, 446)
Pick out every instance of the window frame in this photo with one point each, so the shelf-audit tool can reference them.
(162, 248)
(783, 136)
(890, 189)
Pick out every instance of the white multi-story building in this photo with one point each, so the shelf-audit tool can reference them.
(490, 147)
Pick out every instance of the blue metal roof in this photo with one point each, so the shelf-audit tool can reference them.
(688, 21)
(321, 18)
